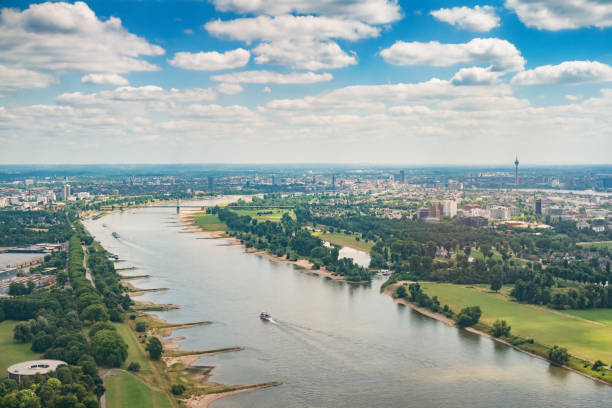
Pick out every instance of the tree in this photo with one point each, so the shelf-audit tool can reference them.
(501, 328)
(22, 333)
(134, 366)
(141, 327)
(95, 313)
(96, 327)
(469, 316)
(558, 355)
(108, 348)
(401, 292)
(155, 348)
(177, 389)
(496, 283)
(42, 342)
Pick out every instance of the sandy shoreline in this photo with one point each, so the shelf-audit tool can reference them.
(450, 322)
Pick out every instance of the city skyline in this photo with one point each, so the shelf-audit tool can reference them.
(360, 82)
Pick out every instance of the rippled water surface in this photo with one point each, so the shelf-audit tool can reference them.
(331, 343)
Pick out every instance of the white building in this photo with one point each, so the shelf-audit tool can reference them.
(448, 208)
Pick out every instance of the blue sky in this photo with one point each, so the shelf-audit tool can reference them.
(349, 81)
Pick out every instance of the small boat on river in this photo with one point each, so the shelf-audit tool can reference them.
(265, 316)
(115, 235)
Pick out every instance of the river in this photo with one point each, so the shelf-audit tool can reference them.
(332, 344)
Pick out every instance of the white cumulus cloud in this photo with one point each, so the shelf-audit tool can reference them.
(311, 55)
(266, 28)
(70, 37)
(371, 11)
(555, 15)
(211, 61)
(271, 77)
(12, 79)
(229, 89)
(501, 55)
(568, 72)
(104, 79)
(475, 76)
(479, 18)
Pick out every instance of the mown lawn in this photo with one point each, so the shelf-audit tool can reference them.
(601, 244)
(603, 316)
(11, 352)
(586, 339)
(269, 214)
(123, 390)
(135, 352)
(209, 222)
(345, 240)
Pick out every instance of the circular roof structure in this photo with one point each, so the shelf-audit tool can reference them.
(34, 367)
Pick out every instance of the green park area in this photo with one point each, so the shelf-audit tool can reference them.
(586, 334)
(124, 390)
(348, 240)
(263, 215)
(135, 352)
(596, 245)
(11, 352)
(209, 222)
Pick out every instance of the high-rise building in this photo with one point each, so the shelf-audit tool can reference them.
(211, 183)
(516, 163)
(66, 192)
(538, 207)
(443, 209)
(333, 182)
(402, 177)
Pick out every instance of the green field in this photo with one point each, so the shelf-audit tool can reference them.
(345, 240)
(123, 390)
(590, 340)
(603, 316)
(135, 352)
(209, 222)
(596, 245)
(11, 352)
(271, 214)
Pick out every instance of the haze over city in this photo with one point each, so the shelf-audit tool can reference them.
(372, 81)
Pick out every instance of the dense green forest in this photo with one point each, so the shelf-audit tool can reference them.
(69, 321)
(32, 227)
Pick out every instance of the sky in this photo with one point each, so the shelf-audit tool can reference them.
(306, 81)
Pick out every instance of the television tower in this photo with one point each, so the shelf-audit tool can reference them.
(516, 163)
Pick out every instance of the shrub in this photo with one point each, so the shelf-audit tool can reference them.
(558, 355)
(177, 389)
(132, 317)
(141, 327)
(501, 328)
(134, 366)
(598, 365)
(155, 348)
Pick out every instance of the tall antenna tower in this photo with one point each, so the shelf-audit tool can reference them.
(516, 163)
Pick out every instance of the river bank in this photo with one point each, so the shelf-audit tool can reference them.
(177, 365)
(187, 220)
(390, 290)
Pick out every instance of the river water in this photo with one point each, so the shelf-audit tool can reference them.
(331, 343)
